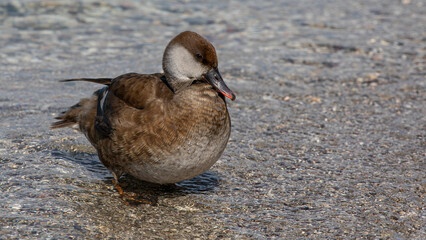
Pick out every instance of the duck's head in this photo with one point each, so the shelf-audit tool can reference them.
(189, 57)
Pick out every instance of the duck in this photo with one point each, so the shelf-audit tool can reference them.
(163, 127)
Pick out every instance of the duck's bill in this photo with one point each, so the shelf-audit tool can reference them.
(215, 79)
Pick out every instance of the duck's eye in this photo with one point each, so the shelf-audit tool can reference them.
(198, 56)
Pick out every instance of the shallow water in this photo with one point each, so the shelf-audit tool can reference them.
(327, 137)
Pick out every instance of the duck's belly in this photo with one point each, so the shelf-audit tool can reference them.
(190, 160)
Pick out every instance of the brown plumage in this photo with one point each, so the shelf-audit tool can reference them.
(163, 127)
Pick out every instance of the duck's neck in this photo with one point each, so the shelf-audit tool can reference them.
(176, 85)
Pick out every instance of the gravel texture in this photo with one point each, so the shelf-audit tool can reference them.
(329, 126)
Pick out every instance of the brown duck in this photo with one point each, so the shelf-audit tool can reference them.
(162, 127)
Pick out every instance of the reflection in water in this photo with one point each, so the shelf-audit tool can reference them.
(201, 183)
(89, 161)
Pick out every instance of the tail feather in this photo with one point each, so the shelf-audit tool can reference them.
(68, 118)
(105, 81)
(85, 109)
(61, 124)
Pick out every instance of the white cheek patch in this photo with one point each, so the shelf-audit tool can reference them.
(182, 65)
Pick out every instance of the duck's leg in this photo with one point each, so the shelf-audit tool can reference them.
(116, 183)
(124, 195)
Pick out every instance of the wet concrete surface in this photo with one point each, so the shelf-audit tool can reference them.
(328, 137)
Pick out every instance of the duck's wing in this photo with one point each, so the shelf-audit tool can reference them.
(126, 96)
(131, 90)
(138, 90)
